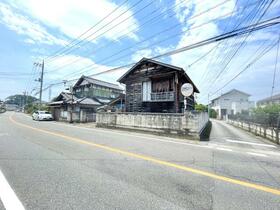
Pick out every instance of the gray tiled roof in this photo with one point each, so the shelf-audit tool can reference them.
(88, 101)
(100, 83)
(67, 97)
(273, 98)
(233, 90)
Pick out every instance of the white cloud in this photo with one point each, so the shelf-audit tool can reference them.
(138, 55)
(74, 71)
(85, 66)
(25, 26)
(73, 17)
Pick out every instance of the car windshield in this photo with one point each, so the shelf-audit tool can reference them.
(44, 112)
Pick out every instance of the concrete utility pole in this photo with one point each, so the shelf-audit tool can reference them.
(208, 107)
(24, 99)
(72, 107)
(50, 93)
(41, 79)
(72, 104)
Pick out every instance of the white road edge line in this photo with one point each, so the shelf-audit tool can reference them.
(8, 196)
(224, 149)
(257, 154)
(251, 143)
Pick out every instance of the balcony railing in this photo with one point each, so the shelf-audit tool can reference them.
(162, 96)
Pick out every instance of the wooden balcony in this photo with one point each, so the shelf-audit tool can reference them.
(162, 96)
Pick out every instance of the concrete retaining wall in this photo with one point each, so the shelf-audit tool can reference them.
(190, 124)
(259, 130)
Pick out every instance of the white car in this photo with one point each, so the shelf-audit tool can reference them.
(42, 115)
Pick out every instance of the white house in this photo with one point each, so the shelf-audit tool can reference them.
(232, 102)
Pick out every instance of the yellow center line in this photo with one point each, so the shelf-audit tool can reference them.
(157, 161)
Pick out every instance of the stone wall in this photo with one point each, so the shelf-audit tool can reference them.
(190, 123)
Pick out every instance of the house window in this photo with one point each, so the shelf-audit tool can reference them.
(146, 91)
(162, 85)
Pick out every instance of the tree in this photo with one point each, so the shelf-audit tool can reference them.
(204, 108)
(201, 108)
(20, 100)
(213, 113)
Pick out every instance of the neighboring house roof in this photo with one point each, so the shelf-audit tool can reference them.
(115, 100)
(181, 70)
(268, 99)
(97, 82)
(66, 98)
(103, 101)
(87, 101)
(121, 97)
(232, 91)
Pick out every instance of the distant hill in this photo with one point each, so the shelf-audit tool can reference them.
(20, 99)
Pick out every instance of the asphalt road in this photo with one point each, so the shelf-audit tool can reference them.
(50, 165)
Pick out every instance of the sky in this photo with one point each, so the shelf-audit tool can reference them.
(86, 37)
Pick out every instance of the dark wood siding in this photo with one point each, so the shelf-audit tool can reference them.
(157, 73)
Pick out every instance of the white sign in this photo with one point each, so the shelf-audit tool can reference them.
(187, 89)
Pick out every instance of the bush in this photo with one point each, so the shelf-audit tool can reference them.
(213, 113)
(31, 108)
(200, 107)
(267, 116)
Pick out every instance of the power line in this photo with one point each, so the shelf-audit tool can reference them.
(238, 32)
(67, 50)
(257, 58)
(155, 35)
(92, 27)
(275, 68)
(249, 18)
(123, 35)
(243, 43)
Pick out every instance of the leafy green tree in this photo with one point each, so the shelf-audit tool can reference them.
(31, 108)
(204, 108)
(213, 113)
(201, 108)
(20, 99)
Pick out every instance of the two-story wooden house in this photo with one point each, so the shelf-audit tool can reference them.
(103, 91)
(88, 95)
(153, 86)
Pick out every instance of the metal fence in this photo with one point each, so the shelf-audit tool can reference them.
(264, 119)
(262, 124)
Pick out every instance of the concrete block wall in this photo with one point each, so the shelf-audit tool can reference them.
(190, 123)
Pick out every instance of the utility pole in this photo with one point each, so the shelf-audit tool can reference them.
(41, 79)
(50, 93)
(72, 103)
(24, 100)
(41, 85)
(208, 107)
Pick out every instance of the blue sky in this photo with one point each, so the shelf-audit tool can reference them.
(32, 30)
